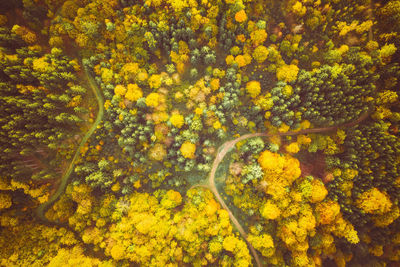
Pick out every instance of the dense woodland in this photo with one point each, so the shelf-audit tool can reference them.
(114, 114)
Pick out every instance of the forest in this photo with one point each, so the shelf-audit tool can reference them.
(200, 133)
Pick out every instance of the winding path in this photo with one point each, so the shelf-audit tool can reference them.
(230, 144)
(226, 147)
(40, 211)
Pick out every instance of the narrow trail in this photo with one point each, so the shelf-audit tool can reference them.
(40, 211)
(230, 144)
(226, 147)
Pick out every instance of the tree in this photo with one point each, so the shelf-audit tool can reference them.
(253, 88)
(260, 53)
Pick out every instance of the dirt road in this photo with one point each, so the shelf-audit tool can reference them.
(227, 146)
(40, 211)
